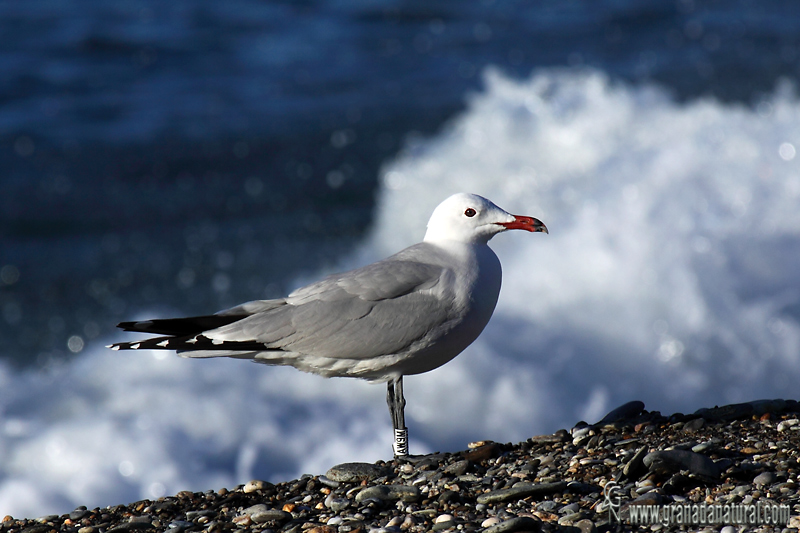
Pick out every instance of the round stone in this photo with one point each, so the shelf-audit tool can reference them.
(459, 468)
(336, 504)
(405, 493)
(570, 509)
(260, 513)
(253, 509)
(765, 478)
(78, 513)
(355, 472)
(694, 425)
(520, 523)
(397, 521)
(547, 506)
(328, 482)
(255, 485)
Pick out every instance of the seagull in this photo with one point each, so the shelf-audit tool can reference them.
(407, 314)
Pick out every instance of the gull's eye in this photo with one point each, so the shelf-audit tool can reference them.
(470, 212)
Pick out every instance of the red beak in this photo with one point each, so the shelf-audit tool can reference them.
(526, 223)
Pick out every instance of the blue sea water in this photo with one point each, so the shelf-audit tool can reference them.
(174, 159)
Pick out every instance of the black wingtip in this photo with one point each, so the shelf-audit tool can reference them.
(179, 327)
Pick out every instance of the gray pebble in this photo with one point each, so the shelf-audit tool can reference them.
(549, 439)
(585, 526)
(675, 460)
(581, 432)
(389, 493)
(77, 514)
(703, 446)
(568, 520)
(570, 509)
(447, 496)
(694, 425)
(531, 466)
(650, 498)
(458, 468)
(260, 513)
(259, 508)
(256, 484)
(272, 515)
(765, 478)
(355, 472)
(180, 525)
(328, 482)
(522, 490)
(491, 521)
(336, 504)
(580, 441)
(635, 467)
(438, 526)
(520, 523)
(547, 506)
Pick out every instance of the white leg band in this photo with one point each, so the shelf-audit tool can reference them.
(400, 445)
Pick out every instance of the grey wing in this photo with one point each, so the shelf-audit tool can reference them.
(379, 309)
(383, 280)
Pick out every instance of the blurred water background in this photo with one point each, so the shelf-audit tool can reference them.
(164, 159)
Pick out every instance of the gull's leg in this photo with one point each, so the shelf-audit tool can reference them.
(397, 404)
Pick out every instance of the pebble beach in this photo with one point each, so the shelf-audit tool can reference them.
(741, 454)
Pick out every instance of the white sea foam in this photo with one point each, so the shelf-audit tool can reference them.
(670, 271)
(669, 276)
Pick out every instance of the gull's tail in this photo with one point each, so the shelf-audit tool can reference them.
(186, 334)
